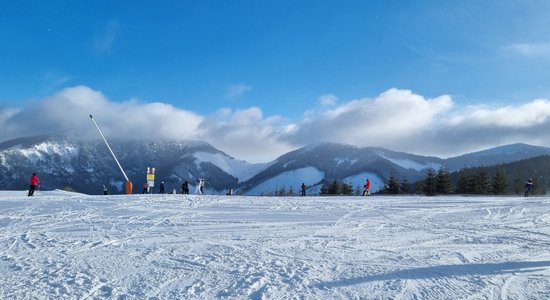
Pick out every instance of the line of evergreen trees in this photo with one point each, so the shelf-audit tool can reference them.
(504, 179)
(474, 181)
(334, 188)
(340, 188)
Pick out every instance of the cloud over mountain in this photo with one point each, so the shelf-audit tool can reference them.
(397, 119)
(68, 110)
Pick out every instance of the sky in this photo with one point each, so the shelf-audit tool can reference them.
(257, 79)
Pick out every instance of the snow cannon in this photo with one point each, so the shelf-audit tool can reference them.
(129, 186)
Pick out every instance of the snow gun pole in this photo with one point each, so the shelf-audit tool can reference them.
(128, 182)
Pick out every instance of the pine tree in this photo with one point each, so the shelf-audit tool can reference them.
(281, 192)
(325, 189)
(443, 182)
(462, 183)
(291, 191)
(472, 184)
(483, 185)
(334, 188)
(499, 185)
(405, 187)
(419, 186)
(346, 189)
(517, 187)
(393, 185)
(430, 182)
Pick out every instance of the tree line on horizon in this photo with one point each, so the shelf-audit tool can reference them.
(502, 179)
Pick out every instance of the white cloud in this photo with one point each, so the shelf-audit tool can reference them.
(68, 110)
(526, 115)
(105, 41)
(246, 134)
(328, 100)
(392, 117)
(5, 115)
(403, 121)
(533, 50)
(396, 119)
(237, 90)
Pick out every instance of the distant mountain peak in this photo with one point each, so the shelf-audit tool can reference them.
(67, 161)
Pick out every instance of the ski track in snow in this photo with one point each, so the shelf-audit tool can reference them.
(203, 247)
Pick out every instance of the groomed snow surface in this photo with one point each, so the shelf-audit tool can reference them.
(72, 246)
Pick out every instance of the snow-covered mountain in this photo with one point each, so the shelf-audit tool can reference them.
(325, 162)
(495, 156)
(67, 162)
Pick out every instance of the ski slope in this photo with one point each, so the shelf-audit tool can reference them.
(73, 246)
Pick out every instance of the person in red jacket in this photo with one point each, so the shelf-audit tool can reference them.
(34, 182)
(367, 188)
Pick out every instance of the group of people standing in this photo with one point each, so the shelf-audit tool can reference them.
(199, 189)
(184, 188)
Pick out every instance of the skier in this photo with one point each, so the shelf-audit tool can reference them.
(185, 187)
(161, 187)
(304, 188)
(367, 188)
(105, 191)
(34, 181)
(145, 188)
(200, 186)
(528, 186)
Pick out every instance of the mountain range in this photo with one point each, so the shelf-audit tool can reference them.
(64, 161)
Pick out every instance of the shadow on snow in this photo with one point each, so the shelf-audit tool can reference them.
(443, 271)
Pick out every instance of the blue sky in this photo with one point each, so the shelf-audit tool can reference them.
(281, 63)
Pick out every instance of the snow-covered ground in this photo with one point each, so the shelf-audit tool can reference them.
(71, 246)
